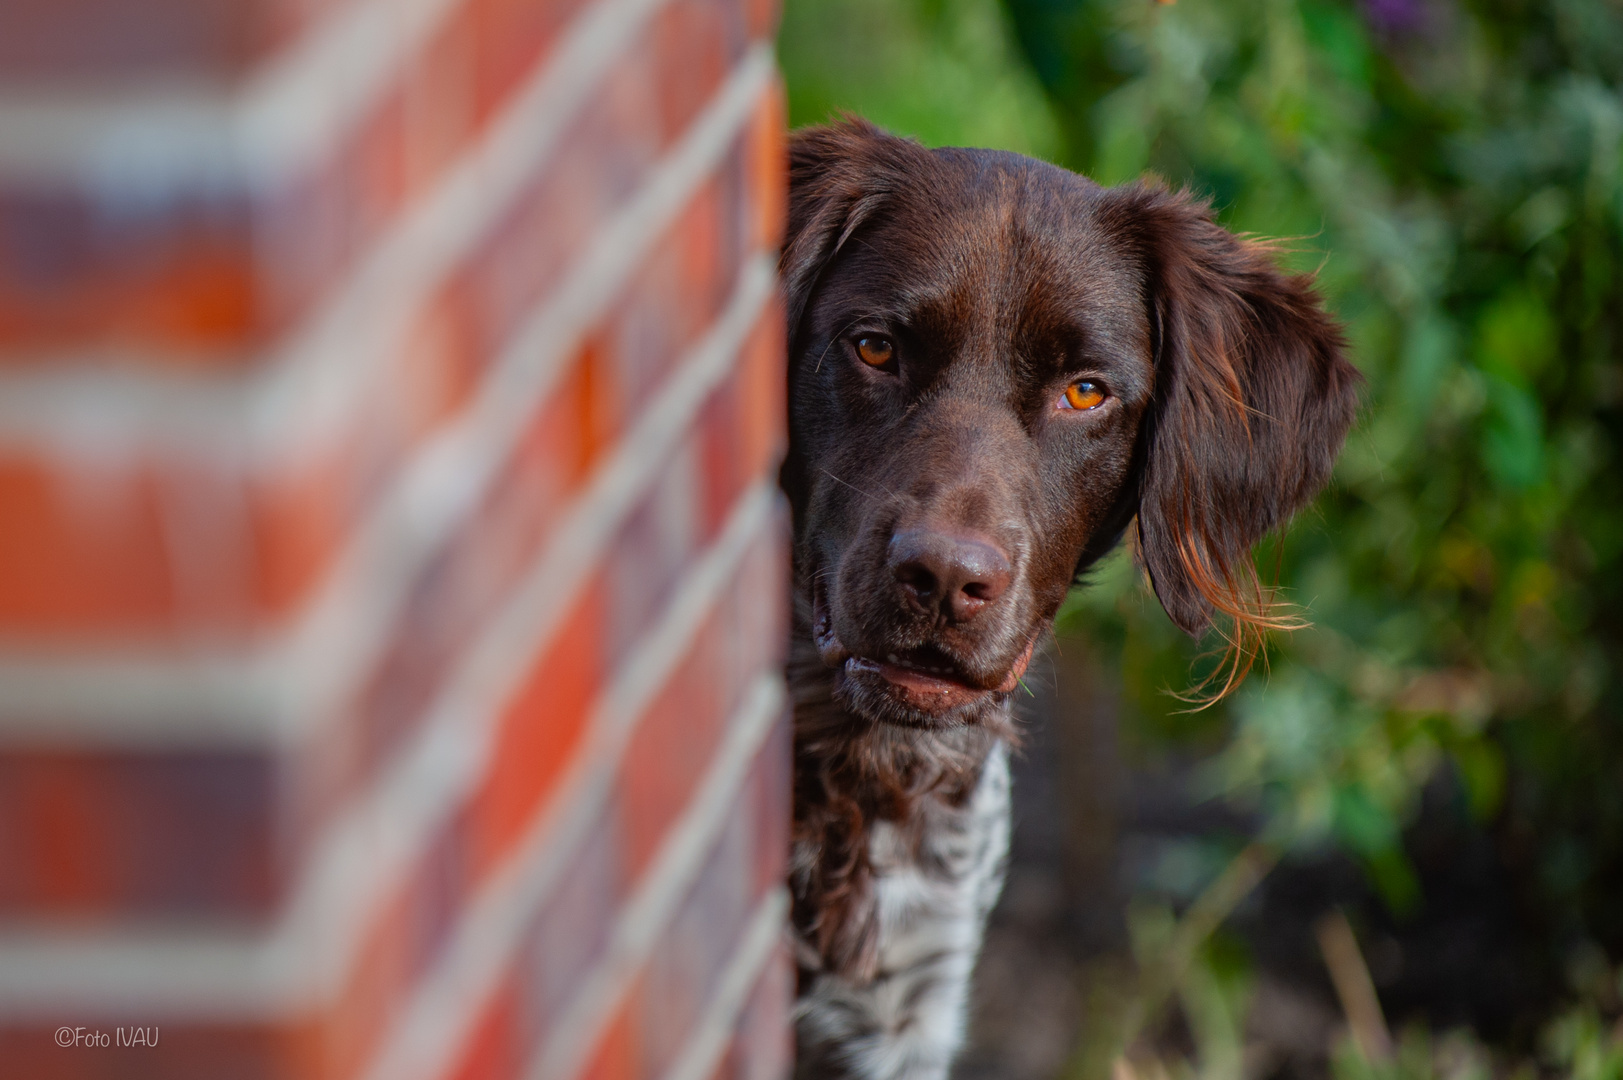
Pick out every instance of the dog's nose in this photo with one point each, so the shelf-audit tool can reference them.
(959, 575)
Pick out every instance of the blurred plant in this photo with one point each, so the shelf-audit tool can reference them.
(1215, 992)
(942, 71)
(1454, 172)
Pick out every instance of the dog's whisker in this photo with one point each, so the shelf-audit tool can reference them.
(853, 487)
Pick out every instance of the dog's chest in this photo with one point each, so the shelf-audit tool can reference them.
(934, 893)
(934, 890)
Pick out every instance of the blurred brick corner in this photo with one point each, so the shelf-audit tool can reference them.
(392, 574)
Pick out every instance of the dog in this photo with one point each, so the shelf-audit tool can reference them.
(996, 368)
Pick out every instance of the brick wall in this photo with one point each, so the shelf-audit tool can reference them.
(391, 569)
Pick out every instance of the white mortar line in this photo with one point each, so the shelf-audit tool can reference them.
(131, 701)
(711, 1036)
(425, 1038)
(236, 974)
(162, 135)
(300, 679)
(667, 880)
(312, 383)
(371, 850)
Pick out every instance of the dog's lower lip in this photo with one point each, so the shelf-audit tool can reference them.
(895, 671)
(930, 688)
(923, 690)
(1012, 680)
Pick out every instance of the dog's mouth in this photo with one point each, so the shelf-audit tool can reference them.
(925, 678)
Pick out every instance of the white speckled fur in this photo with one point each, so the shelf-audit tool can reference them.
(908, 1023)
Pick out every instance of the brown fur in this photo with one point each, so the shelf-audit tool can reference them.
(849, 773)
(1001, 280)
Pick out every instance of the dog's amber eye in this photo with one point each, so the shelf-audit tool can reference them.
(874, 350)
(1084, 395)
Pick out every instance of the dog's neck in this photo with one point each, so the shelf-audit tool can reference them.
(849, 774)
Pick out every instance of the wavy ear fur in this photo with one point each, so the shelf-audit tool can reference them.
(1253, 400)
(839, 176)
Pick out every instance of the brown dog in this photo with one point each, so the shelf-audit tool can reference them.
(995, 367)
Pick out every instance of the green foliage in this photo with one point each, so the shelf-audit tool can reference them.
(947, 72)
(1452, 171)
(1454, 175)
(1215, 993)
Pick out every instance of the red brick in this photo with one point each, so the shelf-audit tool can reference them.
(571, 929)
(691, 951)
(206, 282)
(84, 835)
(509, 36)
(539, 731)
(101, 560)
(84, 547)
(184, 1052)
(373, 990)
(672, 746)
(674, 740)
(768, 172)
(743, 426)
(207, 279)
(769, 800)
(569, 934)
(116, 553)
(691, 56)
(440, 100)
(106, 39)
(761, 17)
(615, 142)
(492, 1053)
(458, 593)
(617, 1055)
(763, 1047)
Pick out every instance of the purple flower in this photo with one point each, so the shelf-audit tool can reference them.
(1395, 16)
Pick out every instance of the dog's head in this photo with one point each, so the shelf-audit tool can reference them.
(995, 364)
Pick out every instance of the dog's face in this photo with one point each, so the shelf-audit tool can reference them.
(996, 364)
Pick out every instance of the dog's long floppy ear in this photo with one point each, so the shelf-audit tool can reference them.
(840, 175)
(1253, 399)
